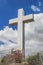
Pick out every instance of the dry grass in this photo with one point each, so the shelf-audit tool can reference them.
(12, 64)
(15, 64)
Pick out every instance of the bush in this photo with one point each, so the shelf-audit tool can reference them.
(4, 61)
(34, 60)
(18, 56)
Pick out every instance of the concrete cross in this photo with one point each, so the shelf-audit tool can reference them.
(20, 21)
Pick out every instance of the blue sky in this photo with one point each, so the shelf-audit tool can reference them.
(9, 8)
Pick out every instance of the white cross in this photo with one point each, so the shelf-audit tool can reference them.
(20, 21)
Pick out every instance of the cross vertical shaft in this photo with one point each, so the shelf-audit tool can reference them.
(21, 45)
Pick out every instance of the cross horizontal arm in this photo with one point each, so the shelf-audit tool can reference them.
(13, 21)
(28, 18)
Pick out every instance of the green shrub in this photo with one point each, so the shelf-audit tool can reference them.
(34, 60)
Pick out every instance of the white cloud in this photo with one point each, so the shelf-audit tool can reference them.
(9, 37)
(35, 8)
(33, 36)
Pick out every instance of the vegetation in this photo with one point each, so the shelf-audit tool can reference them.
(15, 56)
(34, 60)
(18, 56)
(4, 61)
